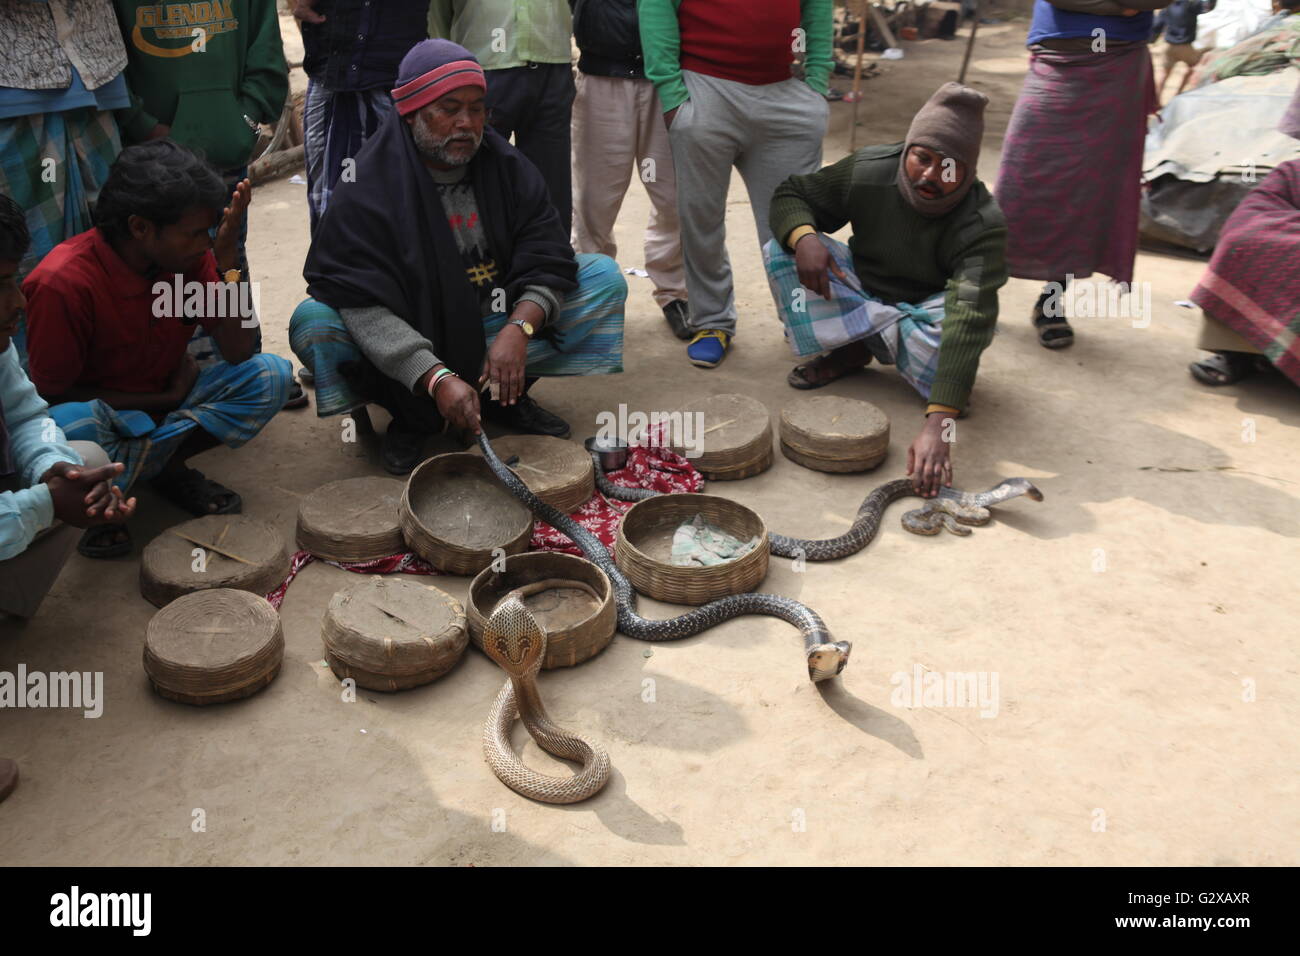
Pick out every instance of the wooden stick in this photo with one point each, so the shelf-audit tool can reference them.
(224, 528)
(211, 547)
(857, 75)
(714, 428)
(970, 44)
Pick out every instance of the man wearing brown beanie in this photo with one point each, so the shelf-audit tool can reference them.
(917, 284)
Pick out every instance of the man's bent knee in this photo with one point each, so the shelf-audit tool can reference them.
(92, 456)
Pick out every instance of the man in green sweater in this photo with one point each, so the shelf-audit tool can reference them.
(917, 284)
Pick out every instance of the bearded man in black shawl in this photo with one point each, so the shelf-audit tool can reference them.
(440, 271)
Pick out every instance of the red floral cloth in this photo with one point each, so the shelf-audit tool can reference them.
(647, 467)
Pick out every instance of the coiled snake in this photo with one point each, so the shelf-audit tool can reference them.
(513, 639)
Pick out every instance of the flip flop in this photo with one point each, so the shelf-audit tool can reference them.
(1223, 368)
(798, 377)
(192, 491)
(98, 542)
(1053, 333)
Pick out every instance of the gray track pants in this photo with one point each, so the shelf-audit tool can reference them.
(768, 133)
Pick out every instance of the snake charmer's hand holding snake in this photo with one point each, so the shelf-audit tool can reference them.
(929, 457)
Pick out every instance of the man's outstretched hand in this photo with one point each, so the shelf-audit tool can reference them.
(929, 461)
(226, 246)
(814, 262)
(87, 496)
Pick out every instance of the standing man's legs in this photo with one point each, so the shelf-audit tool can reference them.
(535, 103)
(654, 162)
(793, 122)
(706, 138)
(604, 140)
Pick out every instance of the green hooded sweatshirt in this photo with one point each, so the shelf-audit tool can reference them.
(200, 68)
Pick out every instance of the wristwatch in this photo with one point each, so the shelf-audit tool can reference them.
(232, 275)
(252, 123)
(525, 325)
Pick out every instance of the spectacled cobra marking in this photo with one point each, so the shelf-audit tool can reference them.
(514, 639)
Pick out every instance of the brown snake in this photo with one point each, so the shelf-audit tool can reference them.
(513, 638)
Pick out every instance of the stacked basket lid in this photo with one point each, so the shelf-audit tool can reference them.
(829, 433)
(352, 520)
(212, 646)
(215, 551)
(393, 633)
(557, 471)
(456, 515)
(735, 440)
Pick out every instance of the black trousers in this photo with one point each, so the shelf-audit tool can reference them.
(534, 103)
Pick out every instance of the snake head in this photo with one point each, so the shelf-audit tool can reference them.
(513, 638)
(1015, 487)
(827, 660)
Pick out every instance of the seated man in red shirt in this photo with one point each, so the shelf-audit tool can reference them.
(109, 315)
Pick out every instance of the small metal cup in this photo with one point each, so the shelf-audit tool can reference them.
(611, 454)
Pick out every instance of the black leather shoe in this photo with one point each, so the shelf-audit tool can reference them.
(402, 449)
(526, 416)
(678, 314)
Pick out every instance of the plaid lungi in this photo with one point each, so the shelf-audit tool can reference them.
(334, 125)
(814, 325)
(230, 402)
(53, 165)
(586, 338)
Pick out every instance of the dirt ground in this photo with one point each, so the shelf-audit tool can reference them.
(1135, 622)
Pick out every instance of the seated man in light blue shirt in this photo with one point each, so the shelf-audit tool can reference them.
(47, 485)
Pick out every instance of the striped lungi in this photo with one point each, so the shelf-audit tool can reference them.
(814, 325)
(230, 402)
(53, 165)
(585, 338)
(1070, 180)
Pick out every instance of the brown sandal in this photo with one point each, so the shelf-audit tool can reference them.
(798, 377)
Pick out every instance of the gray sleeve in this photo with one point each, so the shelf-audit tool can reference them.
(396, 349)
(548, 299)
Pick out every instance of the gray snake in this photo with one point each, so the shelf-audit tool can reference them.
(826, 658)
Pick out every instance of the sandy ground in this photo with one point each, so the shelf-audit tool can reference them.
(1135, 622)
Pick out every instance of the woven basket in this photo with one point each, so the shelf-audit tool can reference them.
(392, 633)
(352, 520)
(737, 437)
(578, 626)
(557, 471)
(830, 433)
(454, 513)
(212, 646)
(254, 558)
(644, 546)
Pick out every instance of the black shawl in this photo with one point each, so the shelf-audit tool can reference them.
(384, 239)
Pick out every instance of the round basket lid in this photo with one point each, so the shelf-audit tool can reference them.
(736, 432)
(559, 472)
(836, 428)
(352, 520)
(213, 645)
(394, 626)
(236, 552)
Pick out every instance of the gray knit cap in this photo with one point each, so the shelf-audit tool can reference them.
(950, 123)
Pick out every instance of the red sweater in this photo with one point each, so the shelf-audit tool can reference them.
(747, 41)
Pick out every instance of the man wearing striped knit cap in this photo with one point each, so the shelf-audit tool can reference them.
(917, 285)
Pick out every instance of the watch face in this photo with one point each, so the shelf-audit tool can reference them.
(231, 275)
